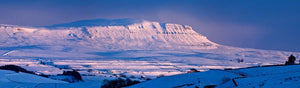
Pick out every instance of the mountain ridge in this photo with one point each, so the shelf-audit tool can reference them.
(131, 32)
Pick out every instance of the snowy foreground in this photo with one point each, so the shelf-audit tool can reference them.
(257, 77)
(129, 48)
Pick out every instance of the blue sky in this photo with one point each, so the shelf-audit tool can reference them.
(262, 24)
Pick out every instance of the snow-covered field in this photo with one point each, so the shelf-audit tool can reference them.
(266, 77)
(11, 79)
(258, 77)
(150, 63)
(107, 49)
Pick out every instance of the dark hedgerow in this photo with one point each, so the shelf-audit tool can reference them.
(209, 86)
(118, 83)
(15, 68)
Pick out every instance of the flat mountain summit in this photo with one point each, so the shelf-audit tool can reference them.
(100, 22)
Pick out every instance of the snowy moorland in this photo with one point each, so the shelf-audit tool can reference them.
(130, 48)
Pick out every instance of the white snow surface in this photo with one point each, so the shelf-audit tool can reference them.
(189, 80)
(257, 77)
(10, 79)
(266, 77)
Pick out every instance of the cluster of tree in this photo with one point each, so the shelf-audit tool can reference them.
(291, 60)
(73, 73)
(192, 70)
(240, 60)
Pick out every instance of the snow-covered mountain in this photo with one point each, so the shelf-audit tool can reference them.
(128, 39)
(122, 34)
(132, 47)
